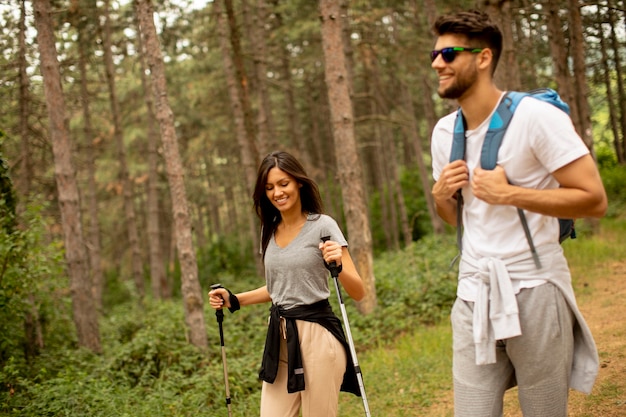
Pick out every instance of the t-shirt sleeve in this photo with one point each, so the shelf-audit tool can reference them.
(441, 143)
(556, 142)
(329, 227)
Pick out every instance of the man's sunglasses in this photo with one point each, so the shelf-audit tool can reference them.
(449, 54)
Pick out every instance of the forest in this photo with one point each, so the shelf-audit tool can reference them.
(130, 137)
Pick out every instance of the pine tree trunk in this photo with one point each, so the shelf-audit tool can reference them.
(190, 285)
(349, 169)
(294, 131)
(581, 89)
(265, 123)
(124, 176)
(24, 179)
(413, 132)
(32, 323)
(507, 76)
(94, 248)
(559, 57)
(84, 312)
(238, 97)
(619, 75)
(610, 95)
(241, 83)
(158, 278)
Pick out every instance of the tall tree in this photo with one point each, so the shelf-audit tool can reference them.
(265, 120)
(242, 78)
(124, 175)
(158, 278)
(94, 248)
(618, 59)
(294, 130)
(349, 169)
(558, 50)
(190, 286)
(247, 146)
(26, 171)
(507, 76)
(84, 313)
(32, 323)
(610, 95)
(581, 89)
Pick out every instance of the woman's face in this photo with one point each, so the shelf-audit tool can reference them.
(283, 191)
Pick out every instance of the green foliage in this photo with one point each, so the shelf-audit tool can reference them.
(148, 367)
(224, 256)
(416, 203)
(414, 286)
(416, 207)
(402, 377)
(33, 289)
(614, 178)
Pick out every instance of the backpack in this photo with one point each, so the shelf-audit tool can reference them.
(489, 153)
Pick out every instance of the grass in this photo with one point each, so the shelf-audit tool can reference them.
(407, 375)
(404, 348)
(404, 376)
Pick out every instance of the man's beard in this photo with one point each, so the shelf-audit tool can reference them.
(462, 83)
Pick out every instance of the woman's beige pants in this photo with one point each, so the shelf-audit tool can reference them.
(324, 363)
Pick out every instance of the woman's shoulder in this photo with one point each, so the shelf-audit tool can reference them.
(328, 226)
(321, 218)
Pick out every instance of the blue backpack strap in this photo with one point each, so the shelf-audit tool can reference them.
(497, 128)
(458, 152)
(458, 138)
(550, 96)
(489, 153)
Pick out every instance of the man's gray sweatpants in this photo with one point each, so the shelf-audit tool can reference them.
(539, 361)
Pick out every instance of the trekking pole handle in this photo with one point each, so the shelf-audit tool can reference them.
(219, 313)
(332, 265)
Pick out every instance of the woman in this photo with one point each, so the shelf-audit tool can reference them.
(306, 360)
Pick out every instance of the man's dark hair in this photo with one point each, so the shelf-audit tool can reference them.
(480, 30)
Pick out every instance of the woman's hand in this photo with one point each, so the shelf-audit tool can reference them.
(331, 252)
(219, 298)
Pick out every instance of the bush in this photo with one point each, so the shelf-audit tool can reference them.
(414, 286)
(614, 178)
(148, 367)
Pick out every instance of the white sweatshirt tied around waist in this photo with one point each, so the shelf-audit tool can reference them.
(496, 314)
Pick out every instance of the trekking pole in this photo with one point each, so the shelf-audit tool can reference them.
(334, 272)
(219, 313)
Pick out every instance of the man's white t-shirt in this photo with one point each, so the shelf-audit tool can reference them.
(540, 139)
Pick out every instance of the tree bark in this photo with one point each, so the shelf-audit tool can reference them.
(349, 169)
(559, 56)
(610, 95)
(507, 75)
(581, 89)
(94, 247)
(241, 83)
(158, 278)
(84, 314)
(413, 131)
(265, 122)
(619, 74)
(294, 130)
(248, 149)
(190, 286)
(26, 164)
(124, 176)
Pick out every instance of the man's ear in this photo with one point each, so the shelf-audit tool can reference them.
(485, 58)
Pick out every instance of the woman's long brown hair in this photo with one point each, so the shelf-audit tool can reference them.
(270, 216)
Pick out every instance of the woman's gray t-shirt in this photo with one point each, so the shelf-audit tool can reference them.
(296, 275)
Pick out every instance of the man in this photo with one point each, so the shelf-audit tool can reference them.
(513, 323)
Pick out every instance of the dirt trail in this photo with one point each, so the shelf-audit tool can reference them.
(603, 305)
